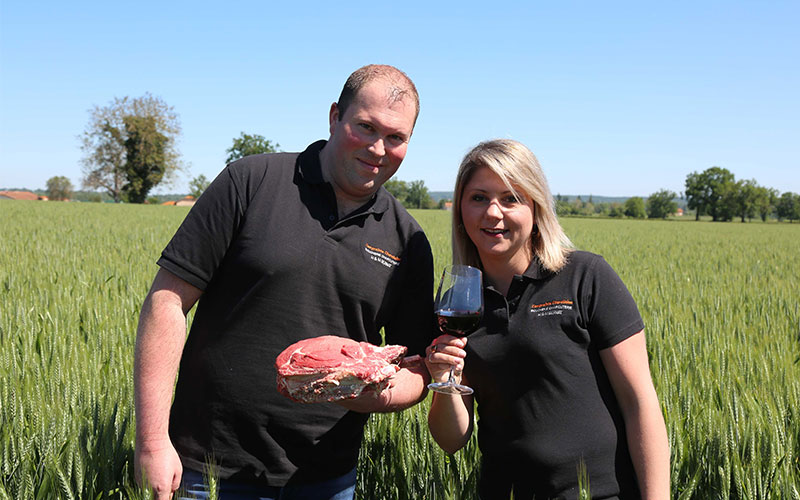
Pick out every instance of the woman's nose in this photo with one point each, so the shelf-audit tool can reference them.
(494, 211)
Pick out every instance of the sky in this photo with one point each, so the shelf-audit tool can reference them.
(614, 98)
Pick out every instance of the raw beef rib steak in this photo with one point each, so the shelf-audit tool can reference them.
(331, 368)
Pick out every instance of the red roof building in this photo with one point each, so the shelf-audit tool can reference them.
(21, 195)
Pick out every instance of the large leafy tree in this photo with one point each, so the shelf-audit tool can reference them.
(706, 192)
(149, 135)
(412, 194)
(634, 207)
(418, 196)
(765, 201)
(744, 198)
(398, 189)
(661, 204)
(59, 188)
(250, 144)
(145, 151)
(198, 185)
(788, 206)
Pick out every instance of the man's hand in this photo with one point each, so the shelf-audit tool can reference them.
(406, 388)
(157, 465)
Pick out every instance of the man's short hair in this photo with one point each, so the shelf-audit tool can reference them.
(401, 86)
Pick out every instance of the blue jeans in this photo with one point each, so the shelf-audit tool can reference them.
(340, 488)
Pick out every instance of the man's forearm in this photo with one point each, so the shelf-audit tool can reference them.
(159, 342)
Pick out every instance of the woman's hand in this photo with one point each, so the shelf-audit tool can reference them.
(444, 352)
(450, 415)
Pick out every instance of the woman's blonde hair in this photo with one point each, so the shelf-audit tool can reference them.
(519, 169)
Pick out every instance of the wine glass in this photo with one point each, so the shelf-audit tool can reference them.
(459, 307)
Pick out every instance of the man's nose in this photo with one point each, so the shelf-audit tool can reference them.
(377, 148)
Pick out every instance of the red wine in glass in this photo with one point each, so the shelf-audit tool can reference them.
(458, 323)
(459, 307)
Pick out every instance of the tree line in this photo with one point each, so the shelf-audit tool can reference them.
(130, 147)
(716, 192)
(658, 205)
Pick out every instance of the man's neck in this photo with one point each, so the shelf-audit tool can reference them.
(344, 204)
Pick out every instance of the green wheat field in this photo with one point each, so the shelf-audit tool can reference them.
(719, 300)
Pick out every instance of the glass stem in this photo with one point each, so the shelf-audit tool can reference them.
(450, 378)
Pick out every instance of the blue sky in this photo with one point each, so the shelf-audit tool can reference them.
(614, 98)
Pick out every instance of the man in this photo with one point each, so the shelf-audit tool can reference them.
(279, 248)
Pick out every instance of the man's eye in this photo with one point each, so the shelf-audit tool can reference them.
(366, 126)
(396, 139)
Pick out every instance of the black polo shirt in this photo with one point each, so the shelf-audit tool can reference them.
(276, 265)
(544, 400)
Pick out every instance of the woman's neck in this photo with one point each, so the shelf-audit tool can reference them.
(500, 273)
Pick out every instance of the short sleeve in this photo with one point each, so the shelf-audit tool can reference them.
(413, 323)
(612, 312)
(200, 243)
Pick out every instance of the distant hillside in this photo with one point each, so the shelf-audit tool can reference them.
(441, 195)
(594, 198)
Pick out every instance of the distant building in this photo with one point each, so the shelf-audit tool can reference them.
(679, 212)
(21, 195)
(186, 201)
(448, 205)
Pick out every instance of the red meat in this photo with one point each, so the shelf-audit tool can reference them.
(331, 368)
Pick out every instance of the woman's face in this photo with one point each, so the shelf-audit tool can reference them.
(498, 223)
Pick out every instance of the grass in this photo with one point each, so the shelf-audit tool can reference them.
(719, 300)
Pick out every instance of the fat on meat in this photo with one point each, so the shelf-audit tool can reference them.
(331, 368)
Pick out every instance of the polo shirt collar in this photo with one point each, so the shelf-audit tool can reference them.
(310, 169)
(536, 271)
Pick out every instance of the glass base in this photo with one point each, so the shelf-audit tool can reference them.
(450, 388)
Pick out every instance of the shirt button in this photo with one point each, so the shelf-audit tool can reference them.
(331, 218)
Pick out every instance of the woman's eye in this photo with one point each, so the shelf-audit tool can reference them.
(477, 197)
(511, 199)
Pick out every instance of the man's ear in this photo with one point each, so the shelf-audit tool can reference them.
(333, 117)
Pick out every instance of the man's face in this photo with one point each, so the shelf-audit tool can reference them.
(369, 142)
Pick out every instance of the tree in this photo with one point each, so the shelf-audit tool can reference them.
(788, 206)
(198, 185)
(145, 151)
(563, 207)
(246, 145)
(107, 142)
(398, 189)
(765, 201)
(695, 191)
(418, 196)
(59, 188)
(661, 204)
(744, 198)
(705, 191)
(616, 210)
(634, 207)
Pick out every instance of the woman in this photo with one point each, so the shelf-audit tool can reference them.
(558, 364)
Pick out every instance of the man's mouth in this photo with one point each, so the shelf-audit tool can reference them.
(368, 164)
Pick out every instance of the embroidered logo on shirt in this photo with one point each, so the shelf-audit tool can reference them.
(381, 256)
(551, 308)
